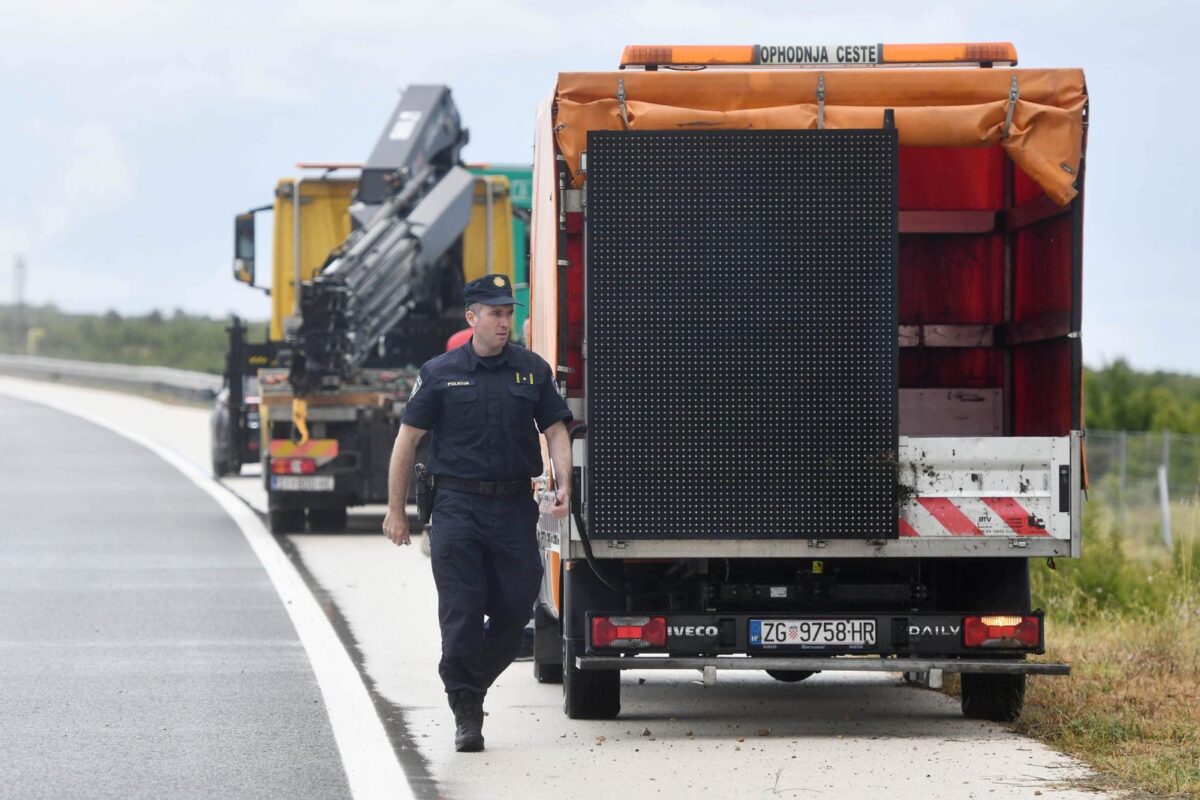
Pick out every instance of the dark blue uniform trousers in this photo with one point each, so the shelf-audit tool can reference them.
(485, 561)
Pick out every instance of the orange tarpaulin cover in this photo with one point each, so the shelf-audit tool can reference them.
(934, 108)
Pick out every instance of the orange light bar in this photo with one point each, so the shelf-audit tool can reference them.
(846, 54)
(653, 55)
(975, 53)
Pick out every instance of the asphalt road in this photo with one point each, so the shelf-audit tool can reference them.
(143, 650)
(836, 734)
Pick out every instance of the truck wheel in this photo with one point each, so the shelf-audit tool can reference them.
(995, 697)
(547, 648)
(222, 465)
(790, 675)
(286, 520)
(590, 694)
(327, 520)
(547, 673)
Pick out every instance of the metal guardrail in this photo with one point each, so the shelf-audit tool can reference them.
(177, 384)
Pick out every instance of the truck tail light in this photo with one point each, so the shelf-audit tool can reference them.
(1002, 630)
(629, 632)
(293, 466)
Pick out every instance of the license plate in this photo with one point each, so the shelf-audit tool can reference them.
(302, 483)
(774, 633)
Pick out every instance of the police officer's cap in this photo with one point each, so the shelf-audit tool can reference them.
(491, 290)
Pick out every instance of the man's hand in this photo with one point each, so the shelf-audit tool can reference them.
(404, 452)
(395, 526)
(562, 502)
(559, 445)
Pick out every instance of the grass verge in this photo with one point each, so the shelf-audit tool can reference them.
(1131, 707)
(1127, 618)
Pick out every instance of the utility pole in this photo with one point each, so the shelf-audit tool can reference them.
(1121, 485)
(1164, 491)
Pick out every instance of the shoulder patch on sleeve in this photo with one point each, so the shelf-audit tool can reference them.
(416, 388)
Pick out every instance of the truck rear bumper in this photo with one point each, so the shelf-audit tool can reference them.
(826, 664)
(1017, 496)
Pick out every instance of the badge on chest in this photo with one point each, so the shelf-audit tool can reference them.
(525, 378)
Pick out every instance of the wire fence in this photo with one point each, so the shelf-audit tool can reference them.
(1146, 478)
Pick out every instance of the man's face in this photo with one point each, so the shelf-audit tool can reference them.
(492, 326)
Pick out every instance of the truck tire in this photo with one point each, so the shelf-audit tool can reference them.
(994, 584)
(222, 464)
(994, 697)
(220, 467)
(589, 694)
(790, 675)
(327, 520)
(547, 648)
(286, 520)
(547, 673)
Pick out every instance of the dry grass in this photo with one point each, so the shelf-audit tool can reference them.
(1126, 617)
(1131, 707)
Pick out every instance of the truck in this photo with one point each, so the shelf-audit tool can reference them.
(816, 310)
(234, 422)
(302, 236)
(356, 322)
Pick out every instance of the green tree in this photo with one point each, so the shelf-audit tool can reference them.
(1117, 397)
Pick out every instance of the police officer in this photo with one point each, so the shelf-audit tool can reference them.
(482, 402)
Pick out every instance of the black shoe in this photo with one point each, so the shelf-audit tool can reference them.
(468, 721)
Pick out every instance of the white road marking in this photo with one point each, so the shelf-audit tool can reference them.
(367, 755)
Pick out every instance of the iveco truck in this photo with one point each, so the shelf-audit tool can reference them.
(816, 310)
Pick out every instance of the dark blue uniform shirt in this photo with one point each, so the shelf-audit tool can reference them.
(482, 412)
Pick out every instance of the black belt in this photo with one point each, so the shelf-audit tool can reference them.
(497, 488)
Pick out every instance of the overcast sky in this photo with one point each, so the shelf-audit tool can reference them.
(133, 130)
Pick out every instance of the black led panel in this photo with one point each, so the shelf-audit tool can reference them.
(741, 334)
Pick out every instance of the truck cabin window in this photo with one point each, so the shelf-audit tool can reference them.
(243, 255)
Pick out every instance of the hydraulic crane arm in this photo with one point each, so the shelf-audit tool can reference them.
(416, 202)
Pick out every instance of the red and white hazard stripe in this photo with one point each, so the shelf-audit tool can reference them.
(975, 516)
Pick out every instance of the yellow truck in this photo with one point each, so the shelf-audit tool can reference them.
(303, 234)
(367, 271)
